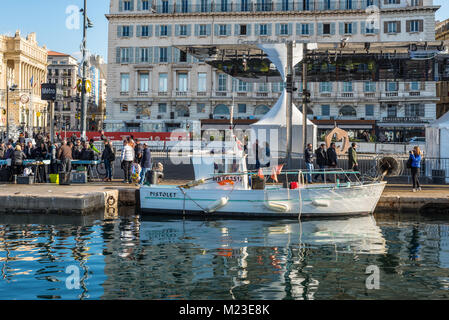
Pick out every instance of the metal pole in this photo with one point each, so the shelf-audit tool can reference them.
(304, 98)
(52, 121)
(289, 91)
(7, 112)
(83, 90)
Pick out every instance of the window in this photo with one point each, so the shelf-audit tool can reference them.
(305, 29)
(244, 5)
(163, 82)
(348, 4)
(182, 82)
(124, 82)
(144, 54)
(414, 26)
(145, 5)
(162, 108)
(143, 82)
(348, 111)
(224, 5)
(126, 31)
(222, 78)
(369, 28)
(370, 86)
(326, 28)
(221, 109)
(242, 87)
(325, 110)
(263, 30)
(127, 5)
(222, 29)
(163, 30)
(124, 55)
(261, 110)
(145, 31)
(325, 87)
(200, 107)
(393, 27)
(204, 6)
(369, 110)
(241, 108)
(348, 28)
(184, 6)
(414, 86)
(183, 30)
(243, 29)
(262, 87)
(202, 82)
(123, 108)
(203, 31)
(327, 4)
(392, 111)
(182, 56)
(414, 110)
(284, 29)
(163, 56)
(347, 86)
(392, 86)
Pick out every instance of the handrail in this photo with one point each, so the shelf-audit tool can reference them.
(287, 172)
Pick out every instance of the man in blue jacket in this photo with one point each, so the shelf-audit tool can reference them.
(145, 163)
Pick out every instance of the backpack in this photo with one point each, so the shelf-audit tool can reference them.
(112, 156)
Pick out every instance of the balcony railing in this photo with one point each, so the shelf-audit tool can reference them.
(259, 6)
(221, 93)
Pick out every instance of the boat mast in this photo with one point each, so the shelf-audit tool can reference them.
(289, 91)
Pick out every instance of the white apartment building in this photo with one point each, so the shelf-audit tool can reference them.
(153, 86)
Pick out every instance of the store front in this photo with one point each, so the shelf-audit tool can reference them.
(400, 132)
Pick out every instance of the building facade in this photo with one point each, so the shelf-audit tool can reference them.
(153, 86)
(23, 63)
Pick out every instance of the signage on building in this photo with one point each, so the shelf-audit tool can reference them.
(51, 91)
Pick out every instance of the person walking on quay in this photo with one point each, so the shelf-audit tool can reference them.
(30, 150)
(308, 158)
(65, 155)
(127, 159)
(17, 160)
(332, 158)
(145, 163)
(321, 160)
(353, 163)
(108, 157)
(415, 158)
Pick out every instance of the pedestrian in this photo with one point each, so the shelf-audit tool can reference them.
(65, 155)
(145, 163)
(353, 163)
(17, 160)
(308, 158)
(108, 157)
(9, 151)
(127, 159)
(321, 160)
(138, 150)
(332, 158)
(92, 146)
(103, 137)
(415, 158)
(77, 150)
(256, 152)
(30, 150)
(2, 150)
(53, 158)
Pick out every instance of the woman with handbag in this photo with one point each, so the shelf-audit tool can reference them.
(414, 162)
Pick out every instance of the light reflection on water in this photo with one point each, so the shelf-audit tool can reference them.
(134, 257)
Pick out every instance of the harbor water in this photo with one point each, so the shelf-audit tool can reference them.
(128, 256)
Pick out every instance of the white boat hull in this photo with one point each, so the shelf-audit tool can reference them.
(314, 201)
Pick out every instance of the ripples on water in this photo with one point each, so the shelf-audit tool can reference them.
(134, 257)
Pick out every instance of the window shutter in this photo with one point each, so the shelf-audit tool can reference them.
(177, 54)
(169, 55)
(399, 26)
(117, 55)
(156, 53)
(341, 27)
(119, 31)
(421, 25)
(197, 30)
(208, 29)
(236, 29)
(138, 55)
(256, 29)
(290, 29)
(158, 30)
(311, 27)
(320, 29)
(150, 30)
(150, 55)
(169, 30)
(131, 54)
(333, 28)
(407, 26)
(386, 27)
(354, 28)
(278, 27)
(176, 30)
(189, 30)
(248, 29)
(298, 29)
(216, 30)
(269, 29)
(120, 5)
(139, 5)
(132, 5)
(131, 29)
(229, 29)
(363, 27)
(138, 31)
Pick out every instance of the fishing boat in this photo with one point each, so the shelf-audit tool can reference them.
(224, 187)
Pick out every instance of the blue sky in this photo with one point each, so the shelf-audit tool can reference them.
(48, 19)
